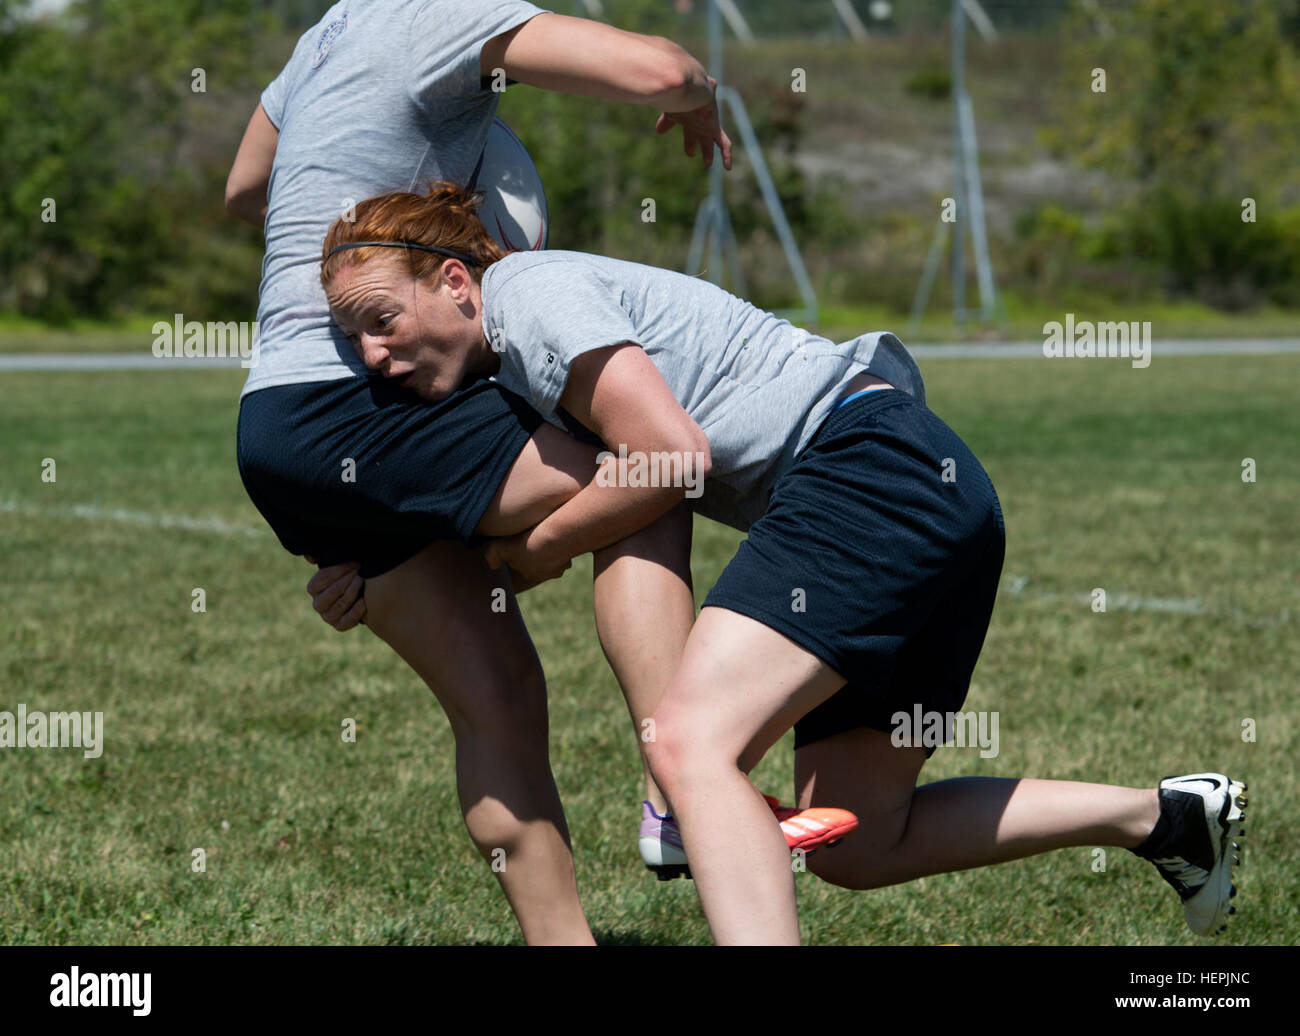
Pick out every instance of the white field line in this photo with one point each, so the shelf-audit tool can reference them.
(94, 513)
(1015, 586)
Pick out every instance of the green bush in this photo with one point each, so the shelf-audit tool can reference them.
(1164, 244)
(1059, 256)
(931, 80)
(1208, 251)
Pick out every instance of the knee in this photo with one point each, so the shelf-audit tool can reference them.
(660, 748)
(509, 708)
(842, 870)
(680, 749)
(866, 858)
(669, 749)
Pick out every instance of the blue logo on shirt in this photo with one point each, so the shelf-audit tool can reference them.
(328, 35)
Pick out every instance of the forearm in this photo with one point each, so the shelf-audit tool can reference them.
(250, 173)
(617, 392)
(250, 207)
(600, 515)
(669, 82)
(591, 59)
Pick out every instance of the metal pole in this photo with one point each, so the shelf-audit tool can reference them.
(922, 297)
(695, 257)
(979, 17)
(737, 22)
(773, 201)
(713, 228)
(716, 203)
(975, 191)
(968, 193)
(849, 17)
(738, 285)
(958, 165)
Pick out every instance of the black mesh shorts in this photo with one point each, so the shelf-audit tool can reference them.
(363, 470)
(880, 553)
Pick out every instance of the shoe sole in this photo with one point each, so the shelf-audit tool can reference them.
(669, 871)
(662, 857)
(1230, 822)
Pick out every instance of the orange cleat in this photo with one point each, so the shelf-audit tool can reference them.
(810, 828)
(805, 831)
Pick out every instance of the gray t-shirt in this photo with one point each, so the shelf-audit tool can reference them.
(380, 95)
(757, 386)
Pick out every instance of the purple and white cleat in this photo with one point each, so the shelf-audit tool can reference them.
(661, 845)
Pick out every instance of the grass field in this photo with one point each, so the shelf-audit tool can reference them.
(222, 727)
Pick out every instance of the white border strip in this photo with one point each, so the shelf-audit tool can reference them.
(54, 362)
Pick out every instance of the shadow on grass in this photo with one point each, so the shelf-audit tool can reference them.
(604, 937)
(610, 937)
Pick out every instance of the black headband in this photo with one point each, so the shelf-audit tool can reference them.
(469, 260)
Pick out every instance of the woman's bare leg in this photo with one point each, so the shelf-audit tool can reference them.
(740, 686)
(907, 832)
(644, 611)
(643, 599)
(550, 469)
(436, 611)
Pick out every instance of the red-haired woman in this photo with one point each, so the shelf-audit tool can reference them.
(856, 609)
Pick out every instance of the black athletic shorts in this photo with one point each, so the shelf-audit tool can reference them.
(361, 469)
(880, 553)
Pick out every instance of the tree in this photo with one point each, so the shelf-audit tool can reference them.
(1200, 110)
(114, 164)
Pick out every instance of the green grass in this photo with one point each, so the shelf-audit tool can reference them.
(222, 728)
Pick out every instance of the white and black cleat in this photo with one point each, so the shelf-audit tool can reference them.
(1203, 816)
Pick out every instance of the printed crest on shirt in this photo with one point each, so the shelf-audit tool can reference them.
(328, 35)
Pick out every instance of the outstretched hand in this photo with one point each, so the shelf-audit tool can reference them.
(701, 128)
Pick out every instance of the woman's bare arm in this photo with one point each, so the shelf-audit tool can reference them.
(592, 59)
(251, 171)
(618, 393)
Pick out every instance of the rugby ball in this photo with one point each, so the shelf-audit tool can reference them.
(514, 202)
